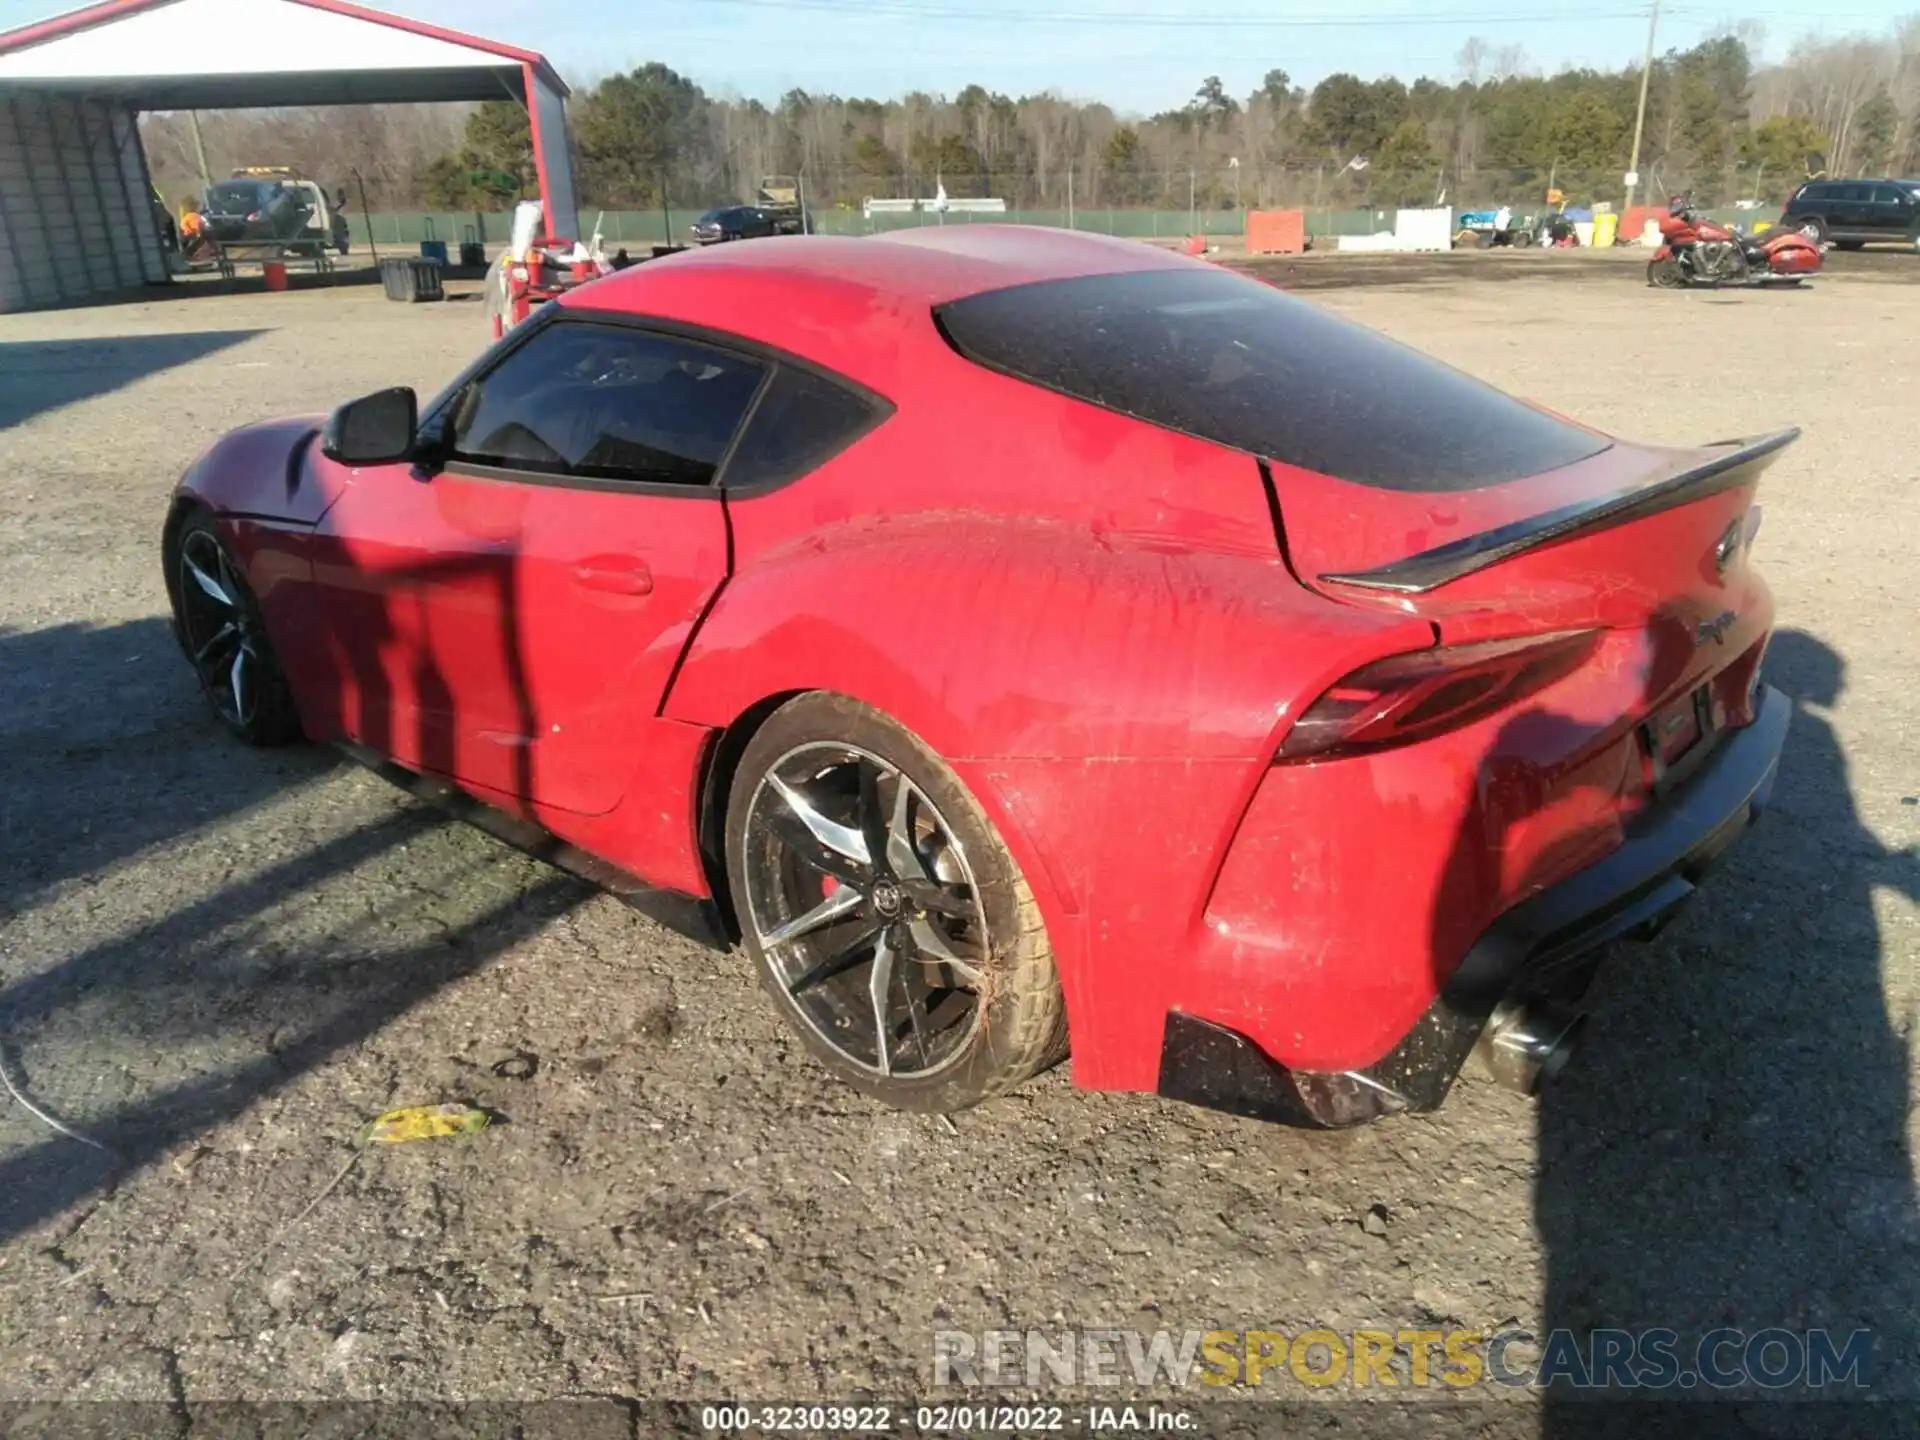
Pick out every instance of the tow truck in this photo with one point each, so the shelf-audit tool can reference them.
(785, 203)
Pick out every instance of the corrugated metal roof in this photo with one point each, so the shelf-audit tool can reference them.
(215, 54)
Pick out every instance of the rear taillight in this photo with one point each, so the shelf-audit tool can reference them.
(1409, 697)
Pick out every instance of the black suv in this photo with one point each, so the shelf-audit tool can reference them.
(1852, 213)
(732, 222)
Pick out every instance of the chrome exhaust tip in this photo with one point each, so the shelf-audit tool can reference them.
(1527, 1043)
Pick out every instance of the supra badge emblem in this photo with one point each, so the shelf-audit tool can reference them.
(1714, 629)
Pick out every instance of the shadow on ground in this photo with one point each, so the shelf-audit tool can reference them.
(41, 375)
(111, 749)
(263, 964)
(1729, 1152)
(224, 969)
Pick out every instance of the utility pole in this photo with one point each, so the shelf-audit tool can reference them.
(1640, 114)
(200, 150)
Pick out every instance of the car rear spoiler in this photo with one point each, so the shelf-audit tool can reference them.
(1430, 569)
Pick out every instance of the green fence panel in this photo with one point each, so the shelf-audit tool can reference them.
(638, 229)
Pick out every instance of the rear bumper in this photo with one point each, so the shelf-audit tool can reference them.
(1535, 948)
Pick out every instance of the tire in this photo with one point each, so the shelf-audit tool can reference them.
(813, 914)
(1523, 239)
(1814, 228)
(1665, 274)
(218, 624)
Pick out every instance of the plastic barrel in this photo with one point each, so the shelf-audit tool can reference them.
(276, 274)
(1605, 229)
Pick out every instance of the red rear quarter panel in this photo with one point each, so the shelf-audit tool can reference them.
(1087, 617)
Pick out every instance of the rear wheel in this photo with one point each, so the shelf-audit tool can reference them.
(1665, 274)
(219, 627)
(1815, 229)
(887, 919)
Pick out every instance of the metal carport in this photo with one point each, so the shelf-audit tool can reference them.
(76, 221)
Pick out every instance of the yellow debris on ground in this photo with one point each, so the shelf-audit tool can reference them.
(425, 1122)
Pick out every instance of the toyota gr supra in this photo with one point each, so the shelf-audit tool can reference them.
(1019, 640)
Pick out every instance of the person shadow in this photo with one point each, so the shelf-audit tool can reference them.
(1730, 1149)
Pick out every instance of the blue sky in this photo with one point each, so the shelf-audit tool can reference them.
(1137, 55)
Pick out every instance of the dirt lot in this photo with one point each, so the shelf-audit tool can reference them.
(220, 963)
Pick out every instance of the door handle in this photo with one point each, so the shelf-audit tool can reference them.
(614, 574)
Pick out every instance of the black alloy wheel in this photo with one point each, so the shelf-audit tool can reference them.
(888, 920)
(219, 627)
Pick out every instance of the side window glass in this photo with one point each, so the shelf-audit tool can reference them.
(1886, 195)
(607, 403)
(802, 422)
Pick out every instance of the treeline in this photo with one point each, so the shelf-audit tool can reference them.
(1498, 130)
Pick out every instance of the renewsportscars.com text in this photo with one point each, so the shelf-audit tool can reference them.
(1457, 1358)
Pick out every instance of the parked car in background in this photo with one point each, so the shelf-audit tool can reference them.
(733, 222)
(1853, 213)
(250, 209)
(264, 203)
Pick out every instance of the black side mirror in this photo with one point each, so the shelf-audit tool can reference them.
(376, 429)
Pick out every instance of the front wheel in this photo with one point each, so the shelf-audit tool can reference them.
(218, 624)
(1665, 274)
(887, 919)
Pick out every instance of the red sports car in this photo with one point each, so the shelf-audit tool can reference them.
(1015, 637)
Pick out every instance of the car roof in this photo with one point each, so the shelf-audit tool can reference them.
(856, 304)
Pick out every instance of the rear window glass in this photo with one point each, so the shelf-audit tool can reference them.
(238, 194)
(1228, 359)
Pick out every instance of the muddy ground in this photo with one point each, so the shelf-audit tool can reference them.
(219, 963)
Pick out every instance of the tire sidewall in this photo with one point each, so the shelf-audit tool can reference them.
(834, 719)
(275, 721)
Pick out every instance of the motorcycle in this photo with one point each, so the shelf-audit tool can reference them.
(1698, 252)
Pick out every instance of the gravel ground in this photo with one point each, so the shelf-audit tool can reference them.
(220, 963)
